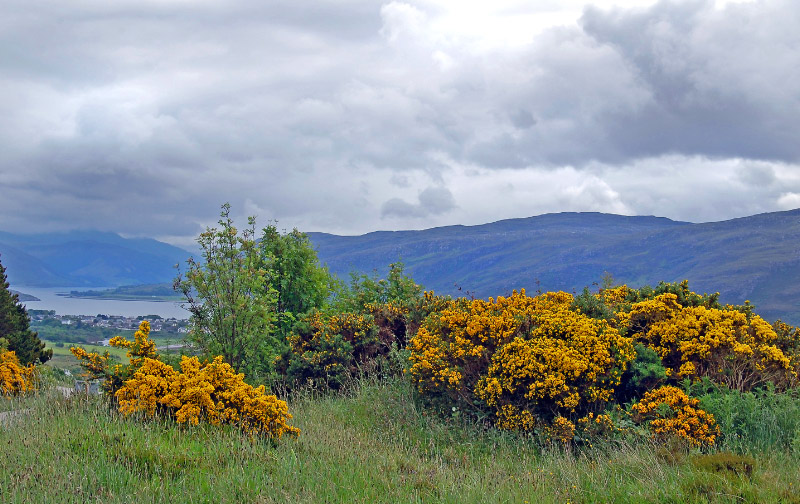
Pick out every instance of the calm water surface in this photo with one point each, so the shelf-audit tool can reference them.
(50, 300)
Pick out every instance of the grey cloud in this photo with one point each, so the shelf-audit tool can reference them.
(522, 119)
(721, 82)
(315, 112)
(399, 180)
(397, 207)
(757, 175)
(432, 201)
(681, 77)
(437, 200)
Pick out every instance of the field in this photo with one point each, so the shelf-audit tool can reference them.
(63, 359)
(369, 444)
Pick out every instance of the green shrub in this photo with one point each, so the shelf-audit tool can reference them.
(645, 373)
(725, 463)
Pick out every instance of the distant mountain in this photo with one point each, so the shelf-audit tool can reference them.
(755, 258)
(87, 258)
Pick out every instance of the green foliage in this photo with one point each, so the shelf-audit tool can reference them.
(762, 420)
(592, 306)
(294, 272)
(646, 372)
(725, 464)
(15, 327)
(355, 334)
(327, 365)
(231, 301)
(365, 290)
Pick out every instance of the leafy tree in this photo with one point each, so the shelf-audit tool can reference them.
(15, 333)
(231, 301)
(294, 272)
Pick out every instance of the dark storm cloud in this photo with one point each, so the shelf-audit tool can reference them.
(345, 116)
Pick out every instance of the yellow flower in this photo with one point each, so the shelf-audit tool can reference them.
(15, 379)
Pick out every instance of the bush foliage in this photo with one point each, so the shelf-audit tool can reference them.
(617, 362)
(201, 391)
(528, 361)
(15, 378)
(557, 364)
(668, 412)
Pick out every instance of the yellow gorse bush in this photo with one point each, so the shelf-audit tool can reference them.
(210, 392)
(95, 365)
(724, 344)
(668, 411)
(15, 379)
(142, 347)
(526, 359)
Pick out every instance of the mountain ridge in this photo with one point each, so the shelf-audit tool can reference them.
(748, 257)
(86, 259)
(754, 258)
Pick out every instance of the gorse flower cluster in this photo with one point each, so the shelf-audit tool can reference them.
(561, 366)
(723, 344)
(98, 366)
(15, 379)
(210, 392)
(668, 411)
(528, 360)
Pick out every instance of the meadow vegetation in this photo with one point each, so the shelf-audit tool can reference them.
(389, 393)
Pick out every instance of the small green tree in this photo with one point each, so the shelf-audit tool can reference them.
(15, 333)
(231, 301)
(294, 272)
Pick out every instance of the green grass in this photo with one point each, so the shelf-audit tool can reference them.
(373, 445)
(757, 421)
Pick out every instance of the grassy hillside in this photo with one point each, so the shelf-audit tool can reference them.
(370, 445)
(755, 258)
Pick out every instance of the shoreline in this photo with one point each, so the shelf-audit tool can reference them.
(124, 298)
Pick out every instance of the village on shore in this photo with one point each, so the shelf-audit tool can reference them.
(157, 323)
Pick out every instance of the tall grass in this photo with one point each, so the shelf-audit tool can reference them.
(758, 421)
(371, 444)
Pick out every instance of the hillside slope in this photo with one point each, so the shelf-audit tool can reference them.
(86, 258)
(755, 258)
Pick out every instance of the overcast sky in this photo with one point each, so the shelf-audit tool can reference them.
(348, 116)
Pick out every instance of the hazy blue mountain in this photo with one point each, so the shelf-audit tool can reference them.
(87, 258)
(755, 258)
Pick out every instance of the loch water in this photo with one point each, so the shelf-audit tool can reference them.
(64, 305)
